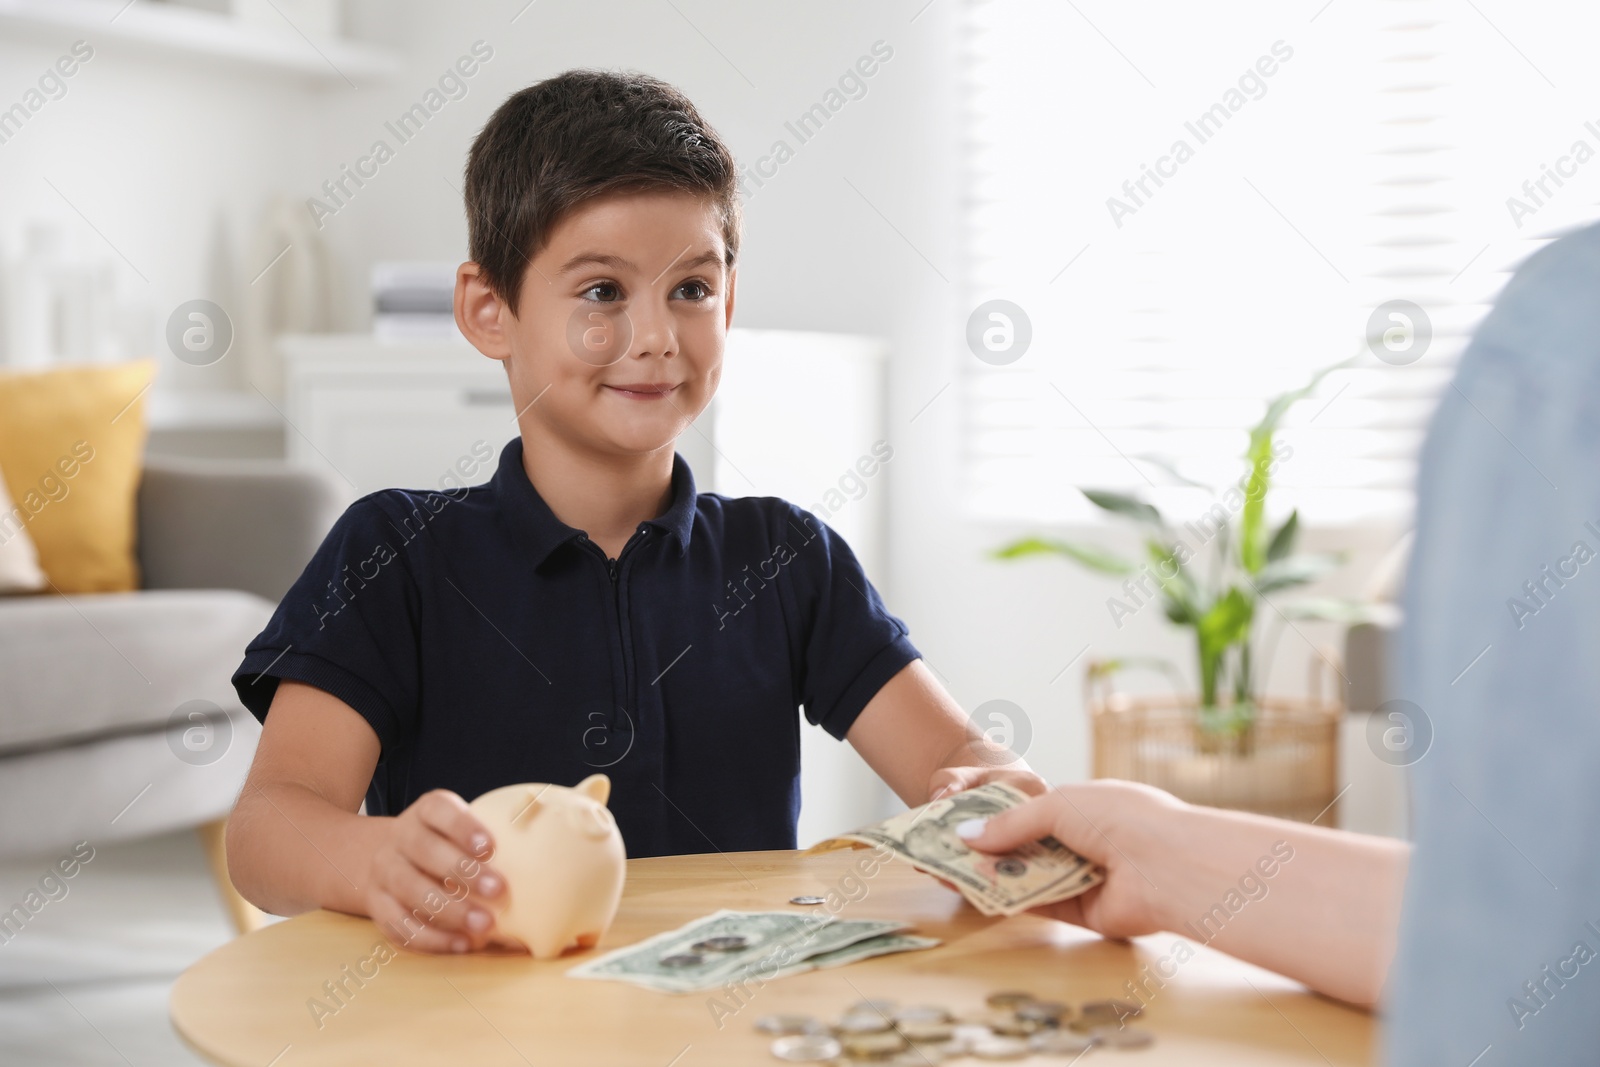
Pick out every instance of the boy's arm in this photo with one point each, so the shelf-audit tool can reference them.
(295, 841)
(917, 738)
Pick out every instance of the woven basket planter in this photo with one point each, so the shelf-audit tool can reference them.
(1284, 763)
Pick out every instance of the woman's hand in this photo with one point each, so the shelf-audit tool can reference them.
(426, 872)
(1112, 824)
(1323, 905)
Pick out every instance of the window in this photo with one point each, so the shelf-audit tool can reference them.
(1196, 207)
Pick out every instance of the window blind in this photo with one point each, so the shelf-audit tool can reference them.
(1196, 208)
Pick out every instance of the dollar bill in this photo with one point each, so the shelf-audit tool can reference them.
(882, 945)
(774, 943)
(1040, 872)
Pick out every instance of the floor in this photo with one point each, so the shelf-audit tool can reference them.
(85, 982)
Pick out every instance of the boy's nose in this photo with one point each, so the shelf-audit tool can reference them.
(654, 333)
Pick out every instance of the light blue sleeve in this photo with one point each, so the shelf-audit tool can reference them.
(1499, 959)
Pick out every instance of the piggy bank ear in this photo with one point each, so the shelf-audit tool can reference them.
(596, 787)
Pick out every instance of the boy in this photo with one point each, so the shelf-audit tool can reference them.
(554, 621)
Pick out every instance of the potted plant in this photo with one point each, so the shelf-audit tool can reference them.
(1192, 745)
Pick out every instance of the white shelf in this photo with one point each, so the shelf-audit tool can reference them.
(170, 30)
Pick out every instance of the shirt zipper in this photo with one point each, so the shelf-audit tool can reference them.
(619, 630)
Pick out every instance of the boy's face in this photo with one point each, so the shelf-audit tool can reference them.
(622, 316)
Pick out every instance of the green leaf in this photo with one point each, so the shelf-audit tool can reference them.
(1280, 404)
(1091, 556)
(1253, 519)
(1167, 467)
(1123, 504)
(1283, 541)
(1295, 570)
(1228, 621)
(1334, 609)
(1252, 556)
(1177, 584)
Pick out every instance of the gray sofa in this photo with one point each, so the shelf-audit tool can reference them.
(117, 716)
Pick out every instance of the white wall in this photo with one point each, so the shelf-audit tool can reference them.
(852, 235)
(170, 161)
(818, 256)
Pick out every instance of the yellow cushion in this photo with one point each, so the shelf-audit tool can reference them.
(71, 449)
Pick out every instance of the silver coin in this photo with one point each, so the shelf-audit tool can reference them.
(862, 1023)
(1127, 1037)
(874, 1006)
(807, 1048)
(1047, 1012)
(726, 943)
(999, 1048)
(1115, 1009)
(925, 1032)
(872, 1046)
(1061, 1042)
(921, 1013)
(1008, 999)
(1013, 1025)
(808, 901)
(789, 1024)
(968, 1032)
(682, 959)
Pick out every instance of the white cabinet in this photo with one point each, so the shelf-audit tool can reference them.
(391, 414)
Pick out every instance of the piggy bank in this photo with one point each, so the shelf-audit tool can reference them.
(563, 862)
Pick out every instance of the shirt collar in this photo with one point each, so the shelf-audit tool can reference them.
(546, 533)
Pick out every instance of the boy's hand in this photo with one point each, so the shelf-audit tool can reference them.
(948, 780)
(426, 872)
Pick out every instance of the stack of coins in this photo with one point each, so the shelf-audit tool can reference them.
(1011, 1026)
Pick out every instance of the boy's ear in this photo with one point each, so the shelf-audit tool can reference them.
(727, 305)
(479, 312)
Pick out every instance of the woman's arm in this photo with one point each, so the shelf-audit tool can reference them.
(1320, 906)
(296, 842)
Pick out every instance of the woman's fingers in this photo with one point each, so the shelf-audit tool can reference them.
(1059, 813)
(1006, 830)
(1067, 911)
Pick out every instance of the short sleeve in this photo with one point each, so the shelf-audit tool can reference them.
(348, 626)
(850, 643)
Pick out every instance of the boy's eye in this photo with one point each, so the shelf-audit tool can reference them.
(604, 292)
(696, 290)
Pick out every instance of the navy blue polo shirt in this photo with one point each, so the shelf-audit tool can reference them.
(488, 643)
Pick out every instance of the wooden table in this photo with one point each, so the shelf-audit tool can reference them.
(249, 1002)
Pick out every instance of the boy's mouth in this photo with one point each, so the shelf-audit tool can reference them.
(644, 390)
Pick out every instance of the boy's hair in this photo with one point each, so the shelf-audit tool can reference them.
(580, 135)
